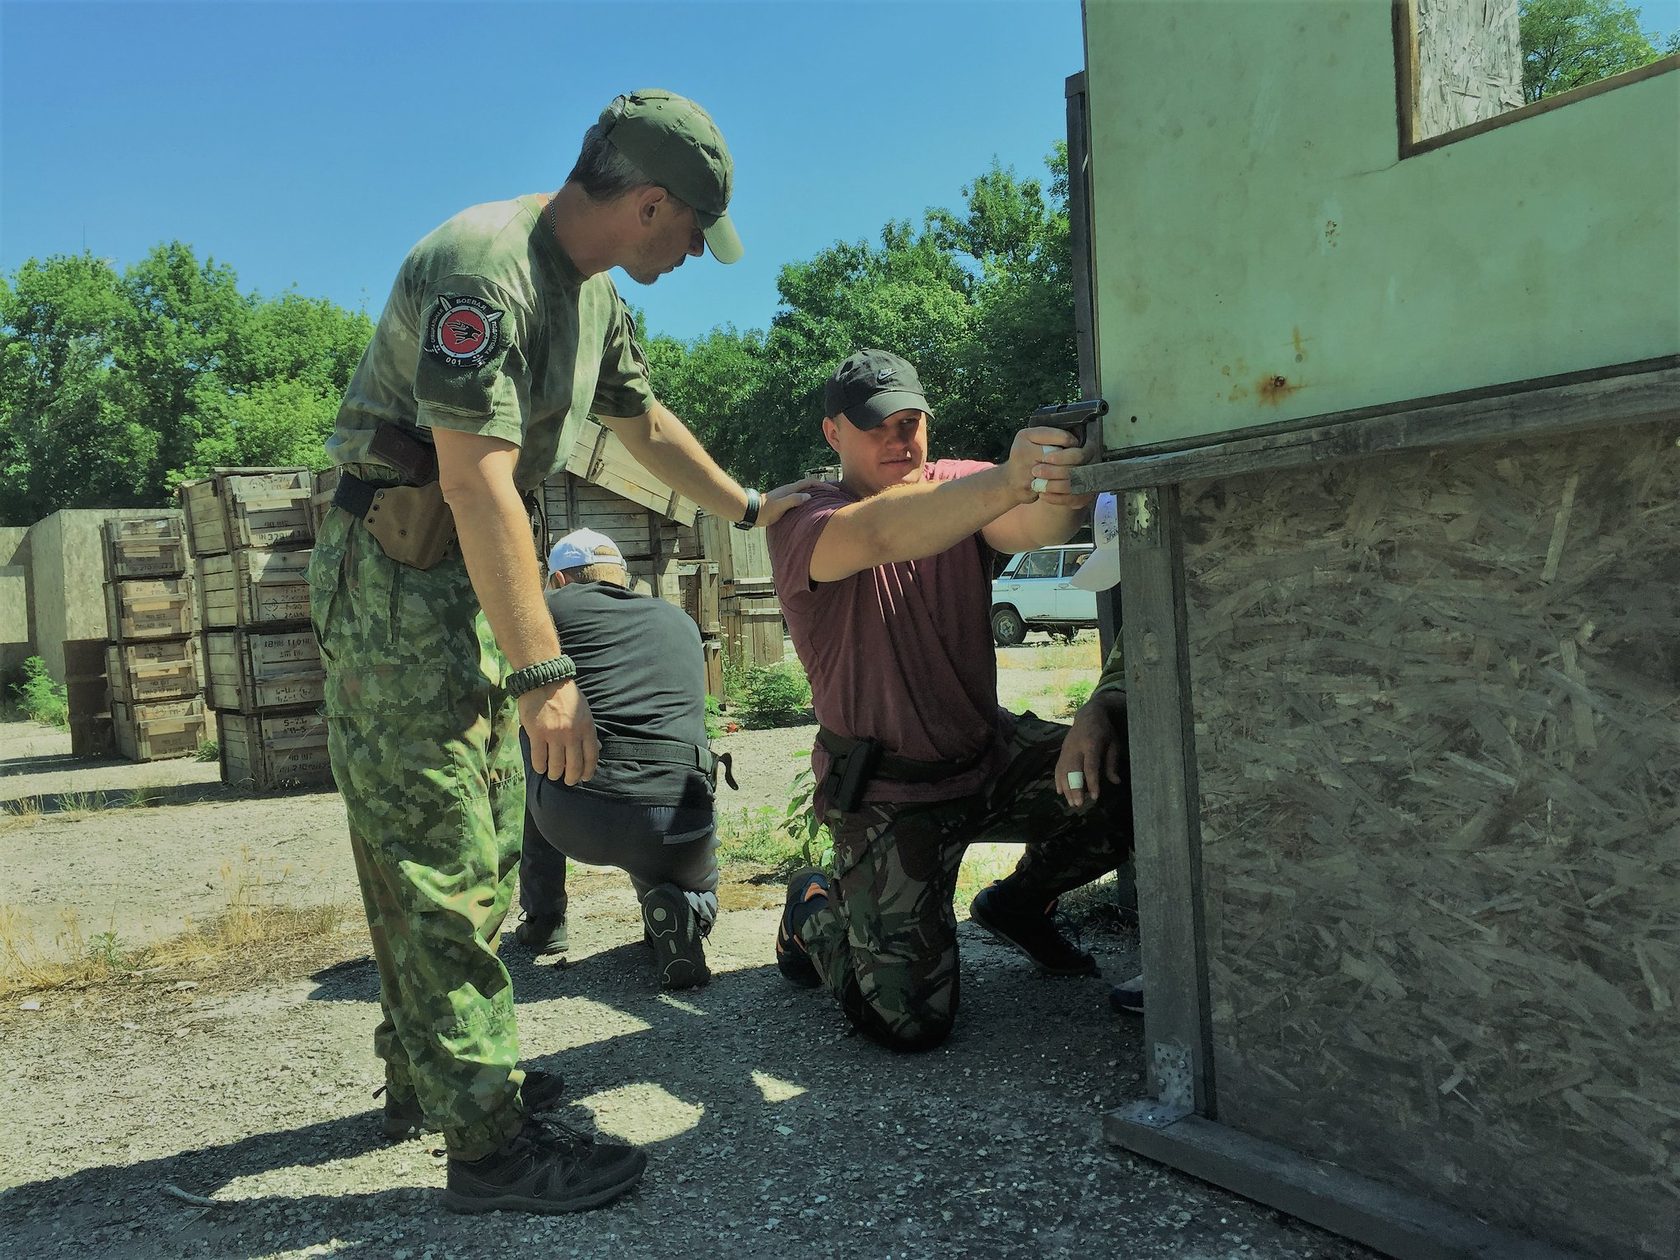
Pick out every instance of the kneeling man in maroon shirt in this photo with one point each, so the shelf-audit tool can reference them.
(884, 579)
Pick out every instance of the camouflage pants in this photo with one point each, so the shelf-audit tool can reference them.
(886, 945)
(425, 751)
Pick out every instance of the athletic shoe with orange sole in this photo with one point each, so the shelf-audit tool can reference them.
(792, 959)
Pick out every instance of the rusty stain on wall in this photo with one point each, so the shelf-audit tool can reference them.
(1272, 390)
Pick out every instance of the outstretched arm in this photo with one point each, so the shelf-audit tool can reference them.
(912, 521)
(663, 444)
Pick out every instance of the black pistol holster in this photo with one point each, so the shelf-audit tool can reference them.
(850, 772)
(855, 763)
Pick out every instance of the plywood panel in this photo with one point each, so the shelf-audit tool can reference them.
(1435, 704)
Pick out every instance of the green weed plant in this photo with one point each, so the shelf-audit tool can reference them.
(40, 698)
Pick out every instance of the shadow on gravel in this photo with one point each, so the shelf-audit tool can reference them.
(94, 1208)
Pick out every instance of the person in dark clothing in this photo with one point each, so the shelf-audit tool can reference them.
(649, 809)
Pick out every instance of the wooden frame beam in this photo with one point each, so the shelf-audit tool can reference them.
(1393, 1221)
(1166, 817)
(1649, 392)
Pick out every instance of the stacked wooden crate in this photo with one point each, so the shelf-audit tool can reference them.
(749, 612)
(250, 531)
(88, 698)
(151, 663)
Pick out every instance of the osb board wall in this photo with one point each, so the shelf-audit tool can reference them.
(1437, 728)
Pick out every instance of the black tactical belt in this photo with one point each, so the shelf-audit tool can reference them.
(672, 752)
(888, 765)
(355, 496)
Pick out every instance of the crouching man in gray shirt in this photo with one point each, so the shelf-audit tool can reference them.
(649, 809)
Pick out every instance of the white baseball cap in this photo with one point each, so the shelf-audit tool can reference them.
(1102, 570)
(581, 547)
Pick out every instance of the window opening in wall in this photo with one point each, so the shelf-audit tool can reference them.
(1466, 66)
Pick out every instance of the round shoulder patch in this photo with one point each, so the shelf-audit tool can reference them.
(463, 331)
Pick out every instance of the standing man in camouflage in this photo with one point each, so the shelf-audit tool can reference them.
(884, 580)
(502, 334)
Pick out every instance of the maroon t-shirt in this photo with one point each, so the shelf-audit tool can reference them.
(902, 652)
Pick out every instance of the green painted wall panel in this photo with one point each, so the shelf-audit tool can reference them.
(1263, 254)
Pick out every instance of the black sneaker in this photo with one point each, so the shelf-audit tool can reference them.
(670, 925)
(792, 958)
(403, 1119)
(1127, 996)
(542, 936)
(547, 1168)
(1033, 932)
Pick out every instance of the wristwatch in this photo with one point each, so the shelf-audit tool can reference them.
(556, 669)
(754, 499)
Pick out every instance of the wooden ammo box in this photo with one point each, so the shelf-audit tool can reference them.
(145, 546)
(247, 670)
(88, 697)
(150, 608)
(697, 595)
(752, 621)
(274, 749)
(159, 730)
(166, 669)
(249, 507)
(253, 588)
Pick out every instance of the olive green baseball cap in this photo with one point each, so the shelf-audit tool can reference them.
(676, 144)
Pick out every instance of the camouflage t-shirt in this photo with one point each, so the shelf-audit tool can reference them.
(490, 329)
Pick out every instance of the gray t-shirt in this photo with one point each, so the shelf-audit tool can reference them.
(490, 329)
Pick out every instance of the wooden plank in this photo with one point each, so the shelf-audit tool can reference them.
(1079, 234)
(1517, 411)
(1177, 1028)
(1380, 1216)
(599, 457)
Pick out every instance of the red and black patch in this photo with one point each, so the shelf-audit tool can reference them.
(463, 331)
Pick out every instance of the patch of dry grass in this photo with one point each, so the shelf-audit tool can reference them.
(1084, 655)
(252, 927)
(23, 812)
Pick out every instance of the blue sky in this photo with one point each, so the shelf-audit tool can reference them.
(308, 145)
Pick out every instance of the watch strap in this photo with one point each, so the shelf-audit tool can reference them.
(750, 517)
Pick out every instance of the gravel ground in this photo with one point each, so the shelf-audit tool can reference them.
(227, 1109)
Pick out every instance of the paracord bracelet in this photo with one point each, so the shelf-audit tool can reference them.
(555, 669)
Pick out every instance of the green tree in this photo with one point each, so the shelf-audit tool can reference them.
(65, 439)
(113, 388)
(1570, 43)
(980, 299)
